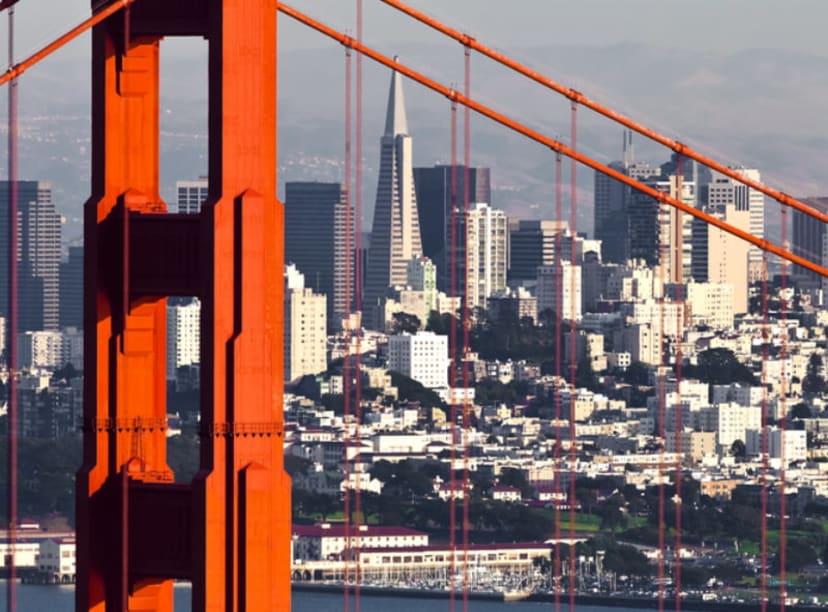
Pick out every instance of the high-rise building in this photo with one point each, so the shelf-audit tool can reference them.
(808, 234)
(532, 243)
(191, 195)
(305, 328)
(659, 233)
(434, 204)
(487, 258)
(71, 289)
(316, 240)
(395, 232)
(183, 334)
(612, 199)
(38, 255)
(723, 190)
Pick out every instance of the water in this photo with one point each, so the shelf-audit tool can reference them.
(37, 598)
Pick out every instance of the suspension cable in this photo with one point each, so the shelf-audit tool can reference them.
(553, 144)
(580, 98)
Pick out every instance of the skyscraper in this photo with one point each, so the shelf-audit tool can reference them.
(532, 243)
(612, 200)
(38, 256)
(660, 234)
(191, 195)
(808, 234)
(316, 231)
(71, 289)
(395, 232)
(487, 259)
(434, 199)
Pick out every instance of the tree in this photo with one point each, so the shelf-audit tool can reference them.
(738, 449)
(719, 366)
(637, 374)
(404, 322)
(801, 411)
(585, 376)
(814, 381)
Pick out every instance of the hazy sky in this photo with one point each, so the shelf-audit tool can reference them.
(719, 25)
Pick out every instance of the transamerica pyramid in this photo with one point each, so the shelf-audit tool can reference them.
(395, 232)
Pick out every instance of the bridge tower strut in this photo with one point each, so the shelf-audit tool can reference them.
(228, 531)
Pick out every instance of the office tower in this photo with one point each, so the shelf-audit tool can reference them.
(191, 195)
(316, 240)
(183, 334)
(659, 233)
(719, 257)
(305, 328)
(533, 244)
(487, 257)
(71, 289)
(723, 190)
(433, 187)
(612, 200)
(808, 235)
(38, 256)
(395, 232)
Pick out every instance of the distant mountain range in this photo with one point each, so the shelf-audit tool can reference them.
(757, 108)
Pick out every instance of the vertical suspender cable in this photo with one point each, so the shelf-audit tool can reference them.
(453, 361)
(573, 223)
(678, 265)
(557, 488)
(348, 336)
(783, 391)
(466, 328)
(358, 280)
(763, 478)
(11, 593)
(661, 212)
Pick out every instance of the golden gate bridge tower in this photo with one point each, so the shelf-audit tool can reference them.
(229, 530)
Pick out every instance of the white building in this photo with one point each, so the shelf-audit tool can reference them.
(569, 279)
(58, 560)
(325, 541)
(790, 445)
(305, 328)
(487, 256)
(710, 304)
(422, 356)
(183, 335)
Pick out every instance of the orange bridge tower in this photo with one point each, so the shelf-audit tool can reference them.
(228, 531)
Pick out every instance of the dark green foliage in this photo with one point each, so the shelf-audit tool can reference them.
(719, 366)
(412, 391)
(405, 322)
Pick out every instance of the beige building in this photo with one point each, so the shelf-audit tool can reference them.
(719, 257)
(567, 280)
(710, 304)
(305, 328)
(694, 445)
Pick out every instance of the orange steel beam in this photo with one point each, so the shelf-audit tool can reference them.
(7, 4)
(553, 144)
(21, 67)
(579, 98)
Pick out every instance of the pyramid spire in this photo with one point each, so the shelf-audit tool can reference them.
(395, 120)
